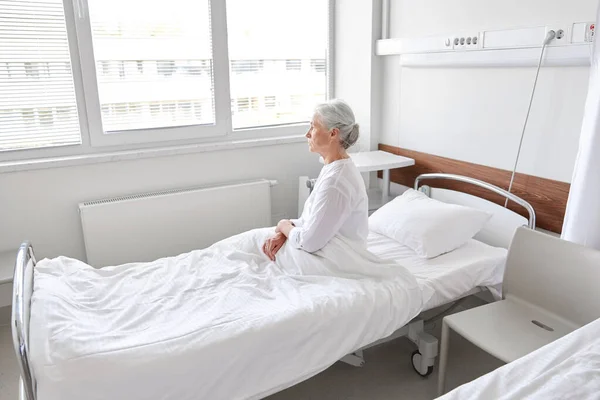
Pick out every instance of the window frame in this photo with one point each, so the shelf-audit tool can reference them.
(220, 57)
(94, 141)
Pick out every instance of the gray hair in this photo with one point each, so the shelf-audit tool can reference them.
(337, 114)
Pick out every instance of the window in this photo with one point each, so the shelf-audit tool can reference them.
(251, 26)
(27, 100)
(173, 35)
(165, 74)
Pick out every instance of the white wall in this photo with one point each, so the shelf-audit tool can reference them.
(476, 114)
(41, 205)
(357, 69)
(358, 72)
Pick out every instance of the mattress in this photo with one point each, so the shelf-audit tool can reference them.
(568, 368)
(449, 276)
(220, 323)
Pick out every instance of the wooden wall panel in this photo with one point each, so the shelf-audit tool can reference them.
(548, 197)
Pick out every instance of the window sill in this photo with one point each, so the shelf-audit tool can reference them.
(68, 161)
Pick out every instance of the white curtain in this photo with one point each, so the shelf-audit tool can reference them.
(582, 219)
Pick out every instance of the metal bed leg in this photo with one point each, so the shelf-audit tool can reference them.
(443, 358)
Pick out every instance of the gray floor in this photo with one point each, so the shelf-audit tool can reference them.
(388, 372)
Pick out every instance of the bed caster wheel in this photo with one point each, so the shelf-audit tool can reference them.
(416, 363)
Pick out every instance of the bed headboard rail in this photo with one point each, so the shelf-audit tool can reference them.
(500, 229)
(21, 302)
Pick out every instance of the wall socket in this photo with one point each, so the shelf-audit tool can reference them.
(563, 35)
(463, 42)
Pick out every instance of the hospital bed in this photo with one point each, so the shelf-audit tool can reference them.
(568, 368)
(442, 280)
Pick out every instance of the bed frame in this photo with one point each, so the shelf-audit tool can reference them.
(498, 232)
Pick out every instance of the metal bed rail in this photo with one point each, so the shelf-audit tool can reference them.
(21, 301)
(465, 179)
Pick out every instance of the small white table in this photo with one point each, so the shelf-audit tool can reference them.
(370, 161)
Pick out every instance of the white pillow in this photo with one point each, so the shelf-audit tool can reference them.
(427, 226)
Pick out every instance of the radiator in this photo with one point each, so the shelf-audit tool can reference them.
(305, 187)
(149, 226)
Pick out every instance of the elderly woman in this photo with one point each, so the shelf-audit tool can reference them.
(338, 204)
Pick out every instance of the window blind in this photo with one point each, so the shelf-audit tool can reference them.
(153, 63)
(278, 53)
(37, 96)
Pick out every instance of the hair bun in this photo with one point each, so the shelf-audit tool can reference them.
(352, 137)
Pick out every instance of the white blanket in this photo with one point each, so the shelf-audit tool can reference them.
(219, 323)
(568, 368)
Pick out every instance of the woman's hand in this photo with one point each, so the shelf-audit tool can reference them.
(284, 226)
(273, 244)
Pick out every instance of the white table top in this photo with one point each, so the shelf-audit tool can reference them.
(379, 160)
(7, 266)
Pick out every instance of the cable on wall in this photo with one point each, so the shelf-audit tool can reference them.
(549, 36)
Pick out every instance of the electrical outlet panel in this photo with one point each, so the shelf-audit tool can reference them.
(465, 42)
(562, 35)
(582, 32)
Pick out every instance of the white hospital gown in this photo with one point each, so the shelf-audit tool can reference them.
(338, 205)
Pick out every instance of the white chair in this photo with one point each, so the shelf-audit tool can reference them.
(550, 288)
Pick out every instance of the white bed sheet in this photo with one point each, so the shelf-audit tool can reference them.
(450, 276)
(568, 368)
(220, 323)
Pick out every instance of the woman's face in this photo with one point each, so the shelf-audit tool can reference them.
(320, 139)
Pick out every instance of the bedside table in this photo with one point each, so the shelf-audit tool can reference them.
(370, 161)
